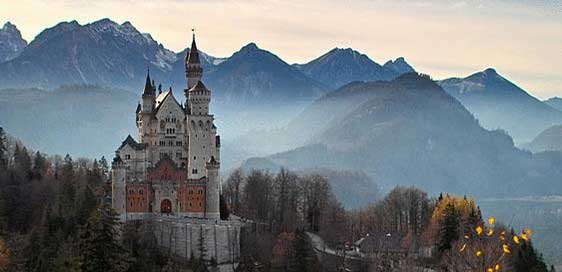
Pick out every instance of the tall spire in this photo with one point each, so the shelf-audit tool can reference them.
(193, 68)
(193, 56)
(147, 86)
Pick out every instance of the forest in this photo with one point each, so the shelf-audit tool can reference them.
(54, 216)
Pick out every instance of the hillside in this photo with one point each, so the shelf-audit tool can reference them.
(555, 102)
(498, 103)
(548, 140)
(84, 121)
(410, 131)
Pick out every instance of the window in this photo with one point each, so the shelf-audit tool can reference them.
(178, 143)
(178, 155)
(141, 192)
(194, 171)
(171, 143)
(131, 204)
(162, 143)
(127, 156)
(190, 192)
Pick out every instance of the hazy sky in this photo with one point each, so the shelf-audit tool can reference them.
(521, 39)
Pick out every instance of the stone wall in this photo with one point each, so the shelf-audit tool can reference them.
(181, 237)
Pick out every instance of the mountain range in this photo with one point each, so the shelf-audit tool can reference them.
(411, 131)
(115, 55)
(498, 103)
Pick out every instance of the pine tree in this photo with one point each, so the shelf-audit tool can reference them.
(449, 231)
(104, 167)
(98, 244)
(86, 204)
(38, 166)
(528, 260)
(224, 212)
(67, 193)
(300, 260)
(22, 163)
(3, 150)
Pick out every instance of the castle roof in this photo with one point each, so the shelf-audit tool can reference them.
(132, 143)
(163, 97)
(199, 86)
(148, 87)
(193, 56)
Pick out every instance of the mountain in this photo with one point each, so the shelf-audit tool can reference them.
(83, 120)
(498, 103)
(103, 53)
(410, 131)
(254, 76)
(399, 65)
(555, 102)
(548, 140)
(11, 42)
(341, 66)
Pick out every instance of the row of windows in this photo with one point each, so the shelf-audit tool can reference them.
(170, 143)
(171, 119)
(132, 192)
(170, 131)
(199, 192)
(169, 155)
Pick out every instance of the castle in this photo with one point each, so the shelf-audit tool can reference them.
(173, 169)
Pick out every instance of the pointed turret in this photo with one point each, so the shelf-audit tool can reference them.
(193, 69)
(147, 85)
(148, 94)
(193, 56)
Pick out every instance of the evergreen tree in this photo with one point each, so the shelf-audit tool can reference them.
(223, 208)
(39, 164)
(86, 204)
(104, 168)
(3, 150)
(22, 163)
(98, 244)
(67, 192)
(449, 231)
(300, 261)
(528, 260)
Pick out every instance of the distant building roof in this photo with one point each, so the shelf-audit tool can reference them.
(132, 143)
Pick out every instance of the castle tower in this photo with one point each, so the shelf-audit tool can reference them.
(213, 192)
(144, 112)
(148, 95)
(193, 68)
